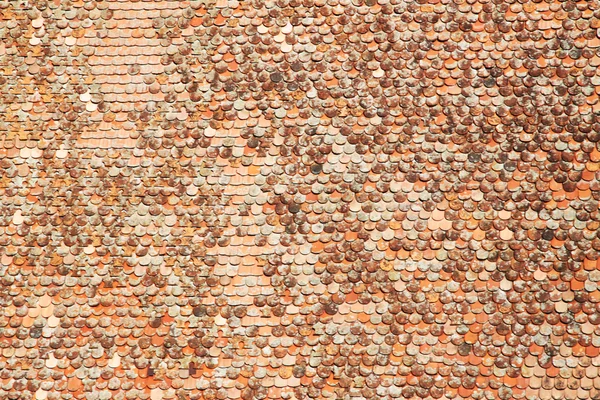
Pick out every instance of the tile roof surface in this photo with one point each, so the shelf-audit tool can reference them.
(294, 199)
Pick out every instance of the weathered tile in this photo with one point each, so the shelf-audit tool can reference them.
(299, 199)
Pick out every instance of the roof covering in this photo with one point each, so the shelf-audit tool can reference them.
(299, 199)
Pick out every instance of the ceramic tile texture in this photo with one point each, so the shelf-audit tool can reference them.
(299, 199)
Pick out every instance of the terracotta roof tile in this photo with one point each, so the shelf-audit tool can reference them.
(299, 199)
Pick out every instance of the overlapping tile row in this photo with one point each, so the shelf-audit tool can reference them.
(297, 199)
